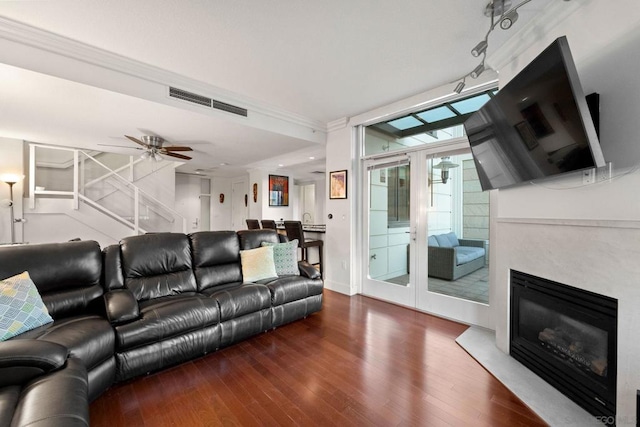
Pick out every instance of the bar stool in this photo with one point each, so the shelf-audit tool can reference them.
(253, 224)
(294, 231)
(268, 223)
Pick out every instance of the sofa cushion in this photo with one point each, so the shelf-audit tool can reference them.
(291, 288)
(21, 308)
(258, 264)
(157, 265)
(216, 258)
(67, 274)
(251, 239)
(448, 240)
(285, 257)
(166, 317)
(465, 254)
(432, 241)
(241, 300)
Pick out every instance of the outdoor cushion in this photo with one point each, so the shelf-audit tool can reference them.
(465, 254)
(432, 241)
(448, 240)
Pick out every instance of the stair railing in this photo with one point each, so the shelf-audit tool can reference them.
(137, 194)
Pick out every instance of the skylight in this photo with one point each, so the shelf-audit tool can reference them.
(405, 122)
(443, 116)
(470, 105)
(436, 114)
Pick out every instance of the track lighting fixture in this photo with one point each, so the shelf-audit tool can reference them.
(501, 14)
(477, 71)
(480, 48)
(509, 19)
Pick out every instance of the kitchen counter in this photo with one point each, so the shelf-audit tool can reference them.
(309, 228)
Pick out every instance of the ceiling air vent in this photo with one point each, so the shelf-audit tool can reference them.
(228, 108)
(206, 101)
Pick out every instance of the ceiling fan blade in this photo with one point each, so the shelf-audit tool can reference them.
(137, 141)
(122, 146)
(179, 156)
(177, 148)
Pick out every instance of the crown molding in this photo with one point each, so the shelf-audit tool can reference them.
(543, 23)
(33, 37)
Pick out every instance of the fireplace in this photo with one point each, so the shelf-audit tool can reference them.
(568, 337)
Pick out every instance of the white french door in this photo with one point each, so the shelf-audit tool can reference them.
(398, 216)
(389, 229)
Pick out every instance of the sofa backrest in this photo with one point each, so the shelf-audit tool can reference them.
(155, 265)
(447, 240)
(67, 275)
(216, 258)
(251, 239)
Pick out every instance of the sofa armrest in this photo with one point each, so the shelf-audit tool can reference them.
(22, 360)
(307, 270)
(477, 243)
(121, 306)
(439, 255)
(57, 399)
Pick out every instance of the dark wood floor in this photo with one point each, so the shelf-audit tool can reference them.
(357, 362)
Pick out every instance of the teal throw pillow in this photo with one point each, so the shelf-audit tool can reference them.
(21, 308)
(285, 256)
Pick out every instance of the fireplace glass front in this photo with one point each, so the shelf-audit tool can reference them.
(568, 337)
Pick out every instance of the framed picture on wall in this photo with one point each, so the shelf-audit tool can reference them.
(338, 185)
(278, 190)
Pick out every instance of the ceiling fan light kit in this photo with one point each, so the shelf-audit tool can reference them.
(155, 148)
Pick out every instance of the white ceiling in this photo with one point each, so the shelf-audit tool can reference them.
(322, 60)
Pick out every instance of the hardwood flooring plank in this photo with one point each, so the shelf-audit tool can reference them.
(358, 362)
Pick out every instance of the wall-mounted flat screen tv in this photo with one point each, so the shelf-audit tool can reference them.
(538, 125)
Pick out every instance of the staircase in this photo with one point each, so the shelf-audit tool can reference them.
(92, 195)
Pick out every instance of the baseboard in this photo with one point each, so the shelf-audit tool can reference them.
(342, 288)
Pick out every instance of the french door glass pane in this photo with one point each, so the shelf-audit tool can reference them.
(458, 236)
(389, 207)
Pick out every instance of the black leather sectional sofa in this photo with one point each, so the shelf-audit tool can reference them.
(150, 302)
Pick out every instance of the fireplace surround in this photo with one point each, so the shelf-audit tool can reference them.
(568, 337)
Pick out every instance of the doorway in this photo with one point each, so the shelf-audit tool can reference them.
(193, 201)
(406, 205)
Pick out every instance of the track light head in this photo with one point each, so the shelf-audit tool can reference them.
(480, 48)
(477, 71)
(509, 19)
(459, 87)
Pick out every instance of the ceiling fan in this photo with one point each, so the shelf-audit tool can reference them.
(154, 147)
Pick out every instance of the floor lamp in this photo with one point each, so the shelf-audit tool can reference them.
(11, 179)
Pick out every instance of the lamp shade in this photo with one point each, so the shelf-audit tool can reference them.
(445, 164)
(11, 178)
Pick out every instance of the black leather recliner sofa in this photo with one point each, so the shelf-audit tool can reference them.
(150, 302)
(68, 278)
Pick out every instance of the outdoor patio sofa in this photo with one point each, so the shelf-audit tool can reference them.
(451, 258)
